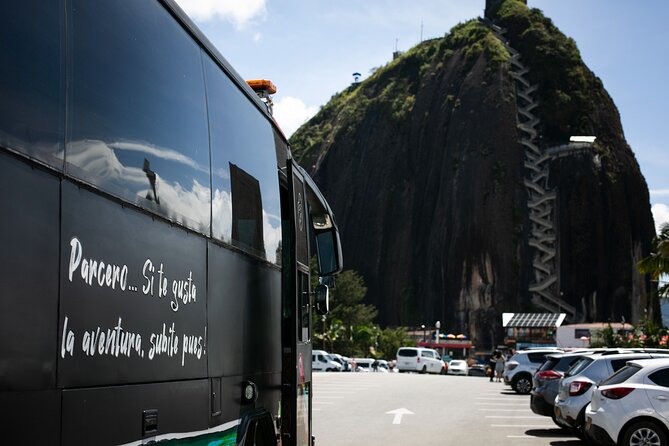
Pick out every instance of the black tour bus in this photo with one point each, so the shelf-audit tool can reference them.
(155, 237)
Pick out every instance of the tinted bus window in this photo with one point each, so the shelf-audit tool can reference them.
(243, 157)
(31, 79)
(137, 117)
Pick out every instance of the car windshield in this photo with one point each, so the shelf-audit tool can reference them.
(565, 363)
(329, 358)
(407, 352)
(621, 375)
(579, 366)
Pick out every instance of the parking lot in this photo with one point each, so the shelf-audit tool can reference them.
(413, 409)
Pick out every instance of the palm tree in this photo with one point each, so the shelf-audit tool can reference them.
(657, 263)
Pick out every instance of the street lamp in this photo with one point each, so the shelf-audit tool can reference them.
(437, 326)
(423, 327)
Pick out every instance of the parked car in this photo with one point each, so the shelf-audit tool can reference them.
(343, 360)
(577, 385)
(458, 367)
(363, 364)
(383, 366)
(520, 368)
(322, 361)
(477, 370)
(419, 359)
(546, 381)
(631, 407)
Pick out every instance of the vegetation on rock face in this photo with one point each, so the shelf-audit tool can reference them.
(568, 89)
(392, 88)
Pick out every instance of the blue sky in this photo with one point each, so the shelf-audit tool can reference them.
(310, 48)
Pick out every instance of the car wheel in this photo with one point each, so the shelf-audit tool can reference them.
(554, 418)
(423, 370)
(522, 384)
(644, 433)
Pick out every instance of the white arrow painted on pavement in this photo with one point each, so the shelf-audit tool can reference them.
(398, 414)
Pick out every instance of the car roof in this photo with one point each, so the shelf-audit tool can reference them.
(540, 350)
(622, 355)
(651, 363)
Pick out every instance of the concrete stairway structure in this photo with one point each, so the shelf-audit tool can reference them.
(541, 200)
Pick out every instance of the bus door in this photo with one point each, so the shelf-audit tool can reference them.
(296, 401)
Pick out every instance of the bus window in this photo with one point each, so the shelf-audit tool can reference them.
(137, 121)
(242, 137)
(31, 79)
(247, 230)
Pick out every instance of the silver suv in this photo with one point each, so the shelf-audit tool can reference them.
(520, 368)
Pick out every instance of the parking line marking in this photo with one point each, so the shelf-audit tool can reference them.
(545, 426)
(333, 391)
(512, 416)
(503, 404)
(504, 410)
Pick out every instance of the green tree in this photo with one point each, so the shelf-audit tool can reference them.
(657, 263)
(391, 340)
(349, 327)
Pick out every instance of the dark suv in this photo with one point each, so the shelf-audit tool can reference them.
(547, 379)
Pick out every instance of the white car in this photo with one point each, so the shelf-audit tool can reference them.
(383, 367)
(458, 367)
(342, 360)
(577, 386)
(419, 359)
(322, 361)
(519, 370)
(631, 407)
(362, 364)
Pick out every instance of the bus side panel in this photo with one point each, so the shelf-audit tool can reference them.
(114, 415)
(133, 296)
(31, 415)
(28, 275)
(244, 315)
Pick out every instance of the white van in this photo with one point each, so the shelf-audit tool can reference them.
(419, 359)
(322, 361)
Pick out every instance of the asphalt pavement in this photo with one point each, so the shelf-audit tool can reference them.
(411, 409)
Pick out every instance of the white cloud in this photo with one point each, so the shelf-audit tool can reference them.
(659, 192)
(237, 12)
(660, 215)
(257, 37)
(290, 113)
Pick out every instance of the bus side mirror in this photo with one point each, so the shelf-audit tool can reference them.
(329, 252)
(322, 299)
